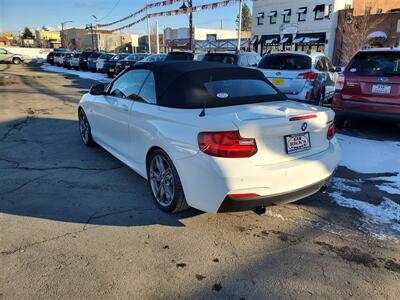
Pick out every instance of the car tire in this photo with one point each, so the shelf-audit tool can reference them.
(16, 61)
(85, 130)
(162, 176)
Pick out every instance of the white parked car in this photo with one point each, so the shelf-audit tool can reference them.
(74, 62)
(100, 61)
(301, 76)
(212, 136)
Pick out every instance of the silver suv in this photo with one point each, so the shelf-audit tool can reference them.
(301, 76)
(7, 56)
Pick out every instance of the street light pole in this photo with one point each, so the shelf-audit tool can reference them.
(148, 25)
(97, 36)
(240, 25)
(62, 32)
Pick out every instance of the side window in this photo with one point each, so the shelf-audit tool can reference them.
(3, 51)
(129, 84)
(320, 64)
(148, 91)
(329, 65)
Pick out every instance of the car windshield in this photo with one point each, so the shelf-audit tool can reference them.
(77, 54)
(285, 62)
(220, 57)
(134, 57)
(376, 64)
(119, 56)
(105, 56)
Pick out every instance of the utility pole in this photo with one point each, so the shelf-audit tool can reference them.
(148, 25)
(97, 35)
(240, 25)
(190, 4)
(90, 27)
(157, 39)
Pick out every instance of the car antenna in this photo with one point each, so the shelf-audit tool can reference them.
(203, 111)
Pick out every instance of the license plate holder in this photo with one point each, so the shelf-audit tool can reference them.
(381, 89)
(278, 81)
(297, 142)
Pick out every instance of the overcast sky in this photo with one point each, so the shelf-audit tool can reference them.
(16, 14)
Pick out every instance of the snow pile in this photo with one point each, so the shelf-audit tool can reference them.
(371, 157)
(87, 75)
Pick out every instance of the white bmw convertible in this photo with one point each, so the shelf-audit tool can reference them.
(212, 136)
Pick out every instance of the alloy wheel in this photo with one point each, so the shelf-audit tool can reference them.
(84, 127)
(162, 180)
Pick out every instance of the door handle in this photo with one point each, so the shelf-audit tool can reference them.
(125, 107)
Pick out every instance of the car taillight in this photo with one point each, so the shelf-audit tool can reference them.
(243, 196)
(226, 144)
(308, 76)
(340, 82)
(331, 131)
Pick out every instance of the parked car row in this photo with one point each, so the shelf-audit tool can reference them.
(368, 87)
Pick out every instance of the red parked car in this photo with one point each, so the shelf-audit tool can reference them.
(370, 86)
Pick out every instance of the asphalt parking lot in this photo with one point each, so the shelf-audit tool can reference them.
(76, 223)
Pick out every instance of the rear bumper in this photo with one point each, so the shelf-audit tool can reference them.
(207, 181)
(230, 204)
(346, 108)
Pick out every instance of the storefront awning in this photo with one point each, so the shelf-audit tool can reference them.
(269, 39)
(297, 40)
(310, 40)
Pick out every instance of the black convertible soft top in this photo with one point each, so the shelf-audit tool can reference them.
(182, 84)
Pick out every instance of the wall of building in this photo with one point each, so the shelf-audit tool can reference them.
(354, 33)
(310, 25)
(360, 6)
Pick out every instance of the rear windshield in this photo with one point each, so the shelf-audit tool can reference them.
(285, 62)
(219, 88)
(179, 56)
(376, 64)
(223, 58)
(77, 54)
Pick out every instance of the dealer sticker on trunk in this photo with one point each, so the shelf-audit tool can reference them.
(297, 142)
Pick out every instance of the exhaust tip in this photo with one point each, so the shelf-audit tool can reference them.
(260, 210)
(323, 189)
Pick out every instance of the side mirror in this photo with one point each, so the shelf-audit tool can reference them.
(97, 89)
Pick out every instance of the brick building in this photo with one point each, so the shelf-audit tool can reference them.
(357, 32)
(365, 7)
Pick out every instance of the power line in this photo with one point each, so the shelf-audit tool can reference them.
(111, 10)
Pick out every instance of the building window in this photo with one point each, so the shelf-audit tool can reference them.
(379, 10)
(286, 15)
(319, 12)
(302, 13)
(272, 16)
(368, 10)
(260, 18)
(211, 37)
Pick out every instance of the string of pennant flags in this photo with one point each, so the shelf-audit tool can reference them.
(180, 11)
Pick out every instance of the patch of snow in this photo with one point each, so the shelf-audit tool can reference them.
(373, 157)
(386, 213)
(87, 75)
(347, 185)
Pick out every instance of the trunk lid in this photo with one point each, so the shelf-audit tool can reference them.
(270, 122)
(286, 81)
